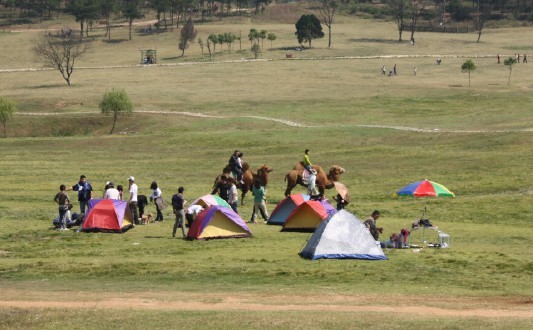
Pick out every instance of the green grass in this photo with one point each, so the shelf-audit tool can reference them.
(478, 144)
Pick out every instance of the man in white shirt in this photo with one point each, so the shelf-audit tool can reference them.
(111, 192)
(133, 200)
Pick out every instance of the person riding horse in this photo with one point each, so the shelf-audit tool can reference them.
(235, 162)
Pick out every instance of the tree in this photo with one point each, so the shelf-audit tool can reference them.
(468, 66)
(213, 38)
(202, 45)
(271, 37)
(7, 109)
(415, 9)
(308, 28)
(61, 52)
(327, 9)
(509, 61)
(480, 17)
(115, 102)
(262, 36)
(187, 35)
(106, 9)
(398, 10)
(84, 11)
(131, 10)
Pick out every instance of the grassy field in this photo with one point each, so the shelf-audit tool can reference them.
(385, 131)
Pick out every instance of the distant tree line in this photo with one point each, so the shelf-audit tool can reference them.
(89, 11)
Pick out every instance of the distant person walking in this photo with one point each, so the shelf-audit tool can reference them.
(178, 202)
(414, 71)
(132, 202)
(158, 201)
(394, 70)
(383, 71)
(259, 202)
(525, 58)
(498, 58)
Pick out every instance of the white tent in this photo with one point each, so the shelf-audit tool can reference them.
(342, 236)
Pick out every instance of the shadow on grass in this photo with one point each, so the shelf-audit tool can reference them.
(49, 86)
(377, 40)
(114, 41)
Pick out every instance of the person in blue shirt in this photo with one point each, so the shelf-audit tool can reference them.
(85, 193)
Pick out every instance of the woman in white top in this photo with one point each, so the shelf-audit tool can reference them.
(158, 200)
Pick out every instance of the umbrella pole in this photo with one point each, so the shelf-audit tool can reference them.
(424, 225)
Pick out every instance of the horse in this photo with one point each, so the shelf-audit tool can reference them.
(248, 177)
(323, 180)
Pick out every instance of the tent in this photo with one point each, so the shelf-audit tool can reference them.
(308, 215)
(342, 236)
(285, 207)
(108, 215)
(208, 200)
(218, 222)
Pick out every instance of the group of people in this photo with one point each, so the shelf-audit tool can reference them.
(517, 57)
(392, 72)
(85, 193)
(226, 188)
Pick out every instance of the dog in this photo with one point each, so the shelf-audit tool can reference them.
(146, 219)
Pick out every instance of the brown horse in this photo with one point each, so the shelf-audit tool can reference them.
(248, 177)
(323, 180)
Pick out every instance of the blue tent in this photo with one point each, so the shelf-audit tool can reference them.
(342, 236)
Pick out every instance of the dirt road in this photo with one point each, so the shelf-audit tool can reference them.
(493, 307)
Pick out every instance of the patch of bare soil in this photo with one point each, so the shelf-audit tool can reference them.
(492, 307)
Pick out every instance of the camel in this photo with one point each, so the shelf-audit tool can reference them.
(248, 177)
(323, 180)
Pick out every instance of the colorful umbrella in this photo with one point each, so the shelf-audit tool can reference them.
(425, 188)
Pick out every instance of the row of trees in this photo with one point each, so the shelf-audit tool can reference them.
(88, 11)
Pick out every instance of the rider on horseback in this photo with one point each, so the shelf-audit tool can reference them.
(235, 163)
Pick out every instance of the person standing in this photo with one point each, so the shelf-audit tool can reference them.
(259, 202)
(120, 192)
(414, 71)
(222, 187)
(383, 71)
(235, 163)
(178, 202)
(63, 202)
(498, 58)
(158, 200)
(394, 70)
(370, 224)
(233, 196)
(525, 58)
(85, 193)
(311, 185)
(111, 192)
(132, 202)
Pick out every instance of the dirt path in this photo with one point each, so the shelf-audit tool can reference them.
(282, 121)
(493, 307)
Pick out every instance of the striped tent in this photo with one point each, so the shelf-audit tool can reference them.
(285, 207)
(308, 215)
(218, 222)
(107, 215)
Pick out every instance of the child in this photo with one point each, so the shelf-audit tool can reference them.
(63, 201)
